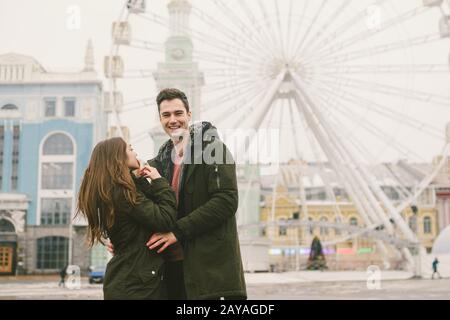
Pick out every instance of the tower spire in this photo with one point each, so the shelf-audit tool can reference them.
(89, 63)
(179, 11)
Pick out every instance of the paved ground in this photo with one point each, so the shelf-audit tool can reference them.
(349, 290)
(286, 286)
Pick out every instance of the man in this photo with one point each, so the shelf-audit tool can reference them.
(203, 175)
(435, 268)
(63, 274)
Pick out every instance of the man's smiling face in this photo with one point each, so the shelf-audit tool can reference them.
(173, 117)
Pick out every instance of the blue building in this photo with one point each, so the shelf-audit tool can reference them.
(49, 123)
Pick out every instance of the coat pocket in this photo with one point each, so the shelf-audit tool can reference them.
(152, 273)
(151, 278)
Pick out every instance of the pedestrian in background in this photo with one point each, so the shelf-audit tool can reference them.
(435, 268)
(63, 274)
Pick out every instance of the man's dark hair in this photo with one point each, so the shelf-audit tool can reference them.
(170, 94)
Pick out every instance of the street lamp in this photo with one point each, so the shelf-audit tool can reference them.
(417, 248)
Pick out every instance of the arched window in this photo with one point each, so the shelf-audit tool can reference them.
(6, 226)
(57, 175)
(52, 252)
(427, 225)
(58, 144)
(282, 230)
(353, 221)
(323, 230)
(337, 221)
(10, 107)
(412, 223)
(311, 228)
(56, 193)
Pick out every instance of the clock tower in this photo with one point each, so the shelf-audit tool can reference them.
(178, 70)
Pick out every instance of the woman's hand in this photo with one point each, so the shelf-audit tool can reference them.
(161, 239)
(149, 172)
(110, 247)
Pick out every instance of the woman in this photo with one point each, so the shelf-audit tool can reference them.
(126, 209)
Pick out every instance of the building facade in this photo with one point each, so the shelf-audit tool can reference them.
(49, 123)
(442, 185)
(282, 208)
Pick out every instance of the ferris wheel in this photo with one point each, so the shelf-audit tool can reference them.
(347, 83)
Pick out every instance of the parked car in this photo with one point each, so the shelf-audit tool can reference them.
(96, 274)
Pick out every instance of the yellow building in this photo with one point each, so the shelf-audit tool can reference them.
(281, 210)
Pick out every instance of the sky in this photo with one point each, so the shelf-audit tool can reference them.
(55, 32)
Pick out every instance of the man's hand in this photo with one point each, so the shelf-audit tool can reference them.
(110, 247)
(161, 239)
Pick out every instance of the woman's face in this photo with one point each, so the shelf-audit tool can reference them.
(132, 161)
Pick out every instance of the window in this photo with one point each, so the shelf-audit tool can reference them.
(99, 256)
(322, 195)
(340, 194)
(311, 229)
(57, 176)
(316, 194)
(391, 193)
(55, 211)
(52, 252)
(6, 226)
(58, 144)
(296, 215)
(57, 164)
(282, 230)
(2, 145)
(50, 107)
(323, 230)
(412, 223)
(427, 225)
(337, 221)
(9, 107)
(15, 158)
(69, 107)
(353, 221)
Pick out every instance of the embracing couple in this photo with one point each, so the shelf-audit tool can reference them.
(171, 222)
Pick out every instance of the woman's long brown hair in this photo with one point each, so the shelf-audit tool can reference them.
(107, 170)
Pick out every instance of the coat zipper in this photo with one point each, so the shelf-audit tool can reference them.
(217, 176)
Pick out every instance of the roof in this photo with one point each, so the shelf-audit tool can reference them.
(317, 175)
(22, 69)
